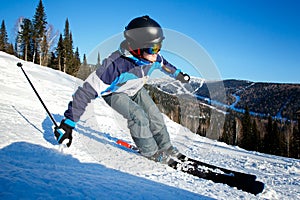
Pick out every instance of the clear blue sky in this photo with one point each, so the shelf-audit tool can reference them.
(256, 40)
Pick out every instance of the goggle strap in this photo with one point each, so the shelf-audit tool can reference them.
(136, 52)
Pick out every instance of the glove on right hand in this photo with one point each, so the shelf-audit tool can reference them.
(64, 131)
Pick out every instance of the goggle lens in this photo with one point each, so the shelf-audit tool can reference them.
(154, 49)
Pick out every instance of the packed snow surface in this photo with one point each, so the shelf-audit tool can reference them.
(34, 166)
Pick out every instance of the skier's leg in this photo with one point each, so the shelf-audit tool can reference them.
(138, 122)
(156, 121)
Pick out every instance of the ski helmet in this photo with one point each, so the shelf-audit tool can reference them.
(142, 32)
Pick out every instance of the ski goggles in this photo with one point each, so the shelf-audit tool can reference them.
(154, 49)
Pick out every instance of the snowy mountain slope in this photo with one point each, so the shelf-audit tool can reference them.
(34, 166)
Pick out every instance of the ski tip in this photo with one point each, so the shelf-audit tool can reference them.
(257, 187)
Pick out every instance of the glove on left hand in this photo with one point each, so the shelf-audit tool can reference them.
(64, 131)
(183, 78)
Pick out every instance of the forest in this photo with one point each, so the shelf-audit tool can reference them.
(262, 133)
(37, 41)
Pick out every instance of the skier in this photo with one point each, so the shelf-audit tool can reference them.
(119, 81)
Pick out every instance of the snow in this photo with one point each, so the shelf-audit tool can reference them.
(33, 165)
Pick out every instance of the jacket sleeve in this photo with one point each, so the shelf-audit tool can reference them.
(168, 68)
(90, 90)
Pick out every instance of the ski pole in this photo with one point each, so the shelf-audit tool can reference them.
(37, 94)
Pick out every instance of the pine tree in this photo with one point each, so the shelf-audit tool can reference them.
(71, 59)
(248, 141)
(295, 144)
(275, 139)
(53, 61)
(84, 60)
(255, 136)
(84, 70)
(268, 136)
(76, 61)
(25, 40)
(39, 27)
(3, 38)
(60, 49)
(10, 49)
(228, 135)
(68, 49)
(98, 64)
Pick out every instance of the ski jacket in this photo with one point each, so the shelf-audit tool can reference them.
(119, 73)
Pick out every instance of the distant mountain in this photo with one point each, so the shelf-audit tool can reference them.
(263, 99)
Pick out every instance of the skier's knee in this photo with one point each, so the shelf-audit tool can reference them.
(139, 117)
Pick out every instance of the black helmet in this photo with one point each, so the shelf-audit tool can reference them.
(142, 32)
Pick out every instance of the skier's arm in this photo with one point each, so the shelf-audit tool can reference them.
(172, 71)
(80, 100)
(84, 94)
(90, 90)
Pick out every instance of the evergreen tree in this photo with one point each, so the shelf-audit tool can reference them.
(60, 49)
(76, 61)
(295, 144)
(84, 70)
(98, 64)
(255, 136)
(84, 60)
(71, 60)
(268, 136)
(39, 27)
(228, 135)
(10, 49)
(3, 38)
(275, 140)
(25, 40)
(53, 61)
(248, 140)
(68, 49)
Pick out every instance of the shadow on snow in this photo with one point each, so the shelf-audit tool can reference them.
(32, 171)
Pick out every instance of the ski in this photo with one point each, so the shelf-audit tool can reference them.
(192, 168)
(245, 176)
(239, 180)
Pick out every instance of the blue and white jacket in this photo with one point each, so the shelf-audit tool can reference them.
(119, 73)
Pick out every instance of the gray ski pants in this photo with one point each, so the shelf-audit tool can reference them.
(145, 122)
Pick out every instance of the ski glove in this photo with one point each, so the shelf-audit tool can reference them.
(183, 78)
(64, 131)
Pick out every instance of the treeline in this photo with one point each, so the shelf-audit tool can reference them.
(36, 41)
(267, 135)
(254, 133)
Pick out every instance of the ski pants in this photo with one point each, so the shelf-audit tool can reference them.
(145, 122)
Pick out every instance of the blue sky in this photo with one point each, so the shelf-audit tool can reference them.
(257, 40)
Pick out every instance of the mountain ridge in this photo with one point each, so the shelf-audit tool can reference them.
(280, 100)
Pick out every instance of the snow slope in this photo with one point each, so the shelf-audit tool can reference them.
(94, 167)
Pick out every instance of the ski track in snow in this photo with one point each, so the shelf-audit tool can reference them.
(94, 167)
